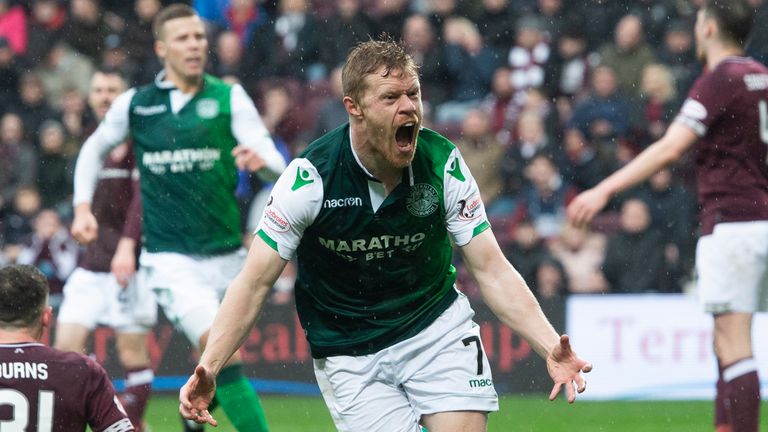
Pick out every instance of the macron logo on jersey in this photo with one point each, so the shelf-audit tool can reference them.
(343, 202)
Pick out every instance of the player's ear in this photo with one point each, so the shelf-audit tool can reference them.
(353, 108)
(46, 318)
(160, 49)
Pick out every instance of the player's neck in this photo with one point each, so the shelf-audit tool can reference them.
(8, 336)
(187, 85)
(716, 55)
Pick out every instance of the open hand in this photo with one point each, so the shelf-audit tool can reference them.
(565, 368)
(196, 395)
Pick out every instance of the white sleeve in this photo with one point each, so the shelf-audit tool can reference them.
(296, 200)
(465, 213)
(112, 131)
(249, 131)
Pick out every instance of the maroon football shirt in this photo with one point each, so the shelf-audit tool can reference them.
(728, 109)
(117, 207)
(43, 389)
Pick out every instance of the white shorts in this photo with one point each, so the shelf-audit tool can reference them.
(443, 368)
(189, 288)
(92, 298)
(732, 267)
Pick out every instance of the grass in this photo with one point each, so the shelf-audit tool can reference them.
(517, 414)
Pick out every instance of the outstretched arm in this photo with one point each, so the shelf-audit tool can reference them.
(234, 320)
(508, 296)
(668, 149)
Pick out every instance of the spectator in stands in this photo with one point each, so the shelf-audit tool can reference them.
(19, 219)
(604, 117)
(139, 41)
(13, 26)
(331, 113)
(470, 63)
(503, 104)
(62, 69)
(545, 195)
(482, 154)
(54, 169)
(529, 54)
(634, 257)
(598, 18)
(288, 46)
(115, 56)
(584, 165)
(33, 106)
(429, 53)
(525, 250)
(52, 250)
(497, 23)
(758, 44)
(581, 252)
(673, 213)
(243, 17)
(87, 29)
(628, 54)
(659, 102)
(46, 21)
(18, 161)
(342, 31)
(553, 18)
(568, 70)
(532, 140)
(76, 122)
(678, 53)
(228, 56)
(389, 17)
(9, 76)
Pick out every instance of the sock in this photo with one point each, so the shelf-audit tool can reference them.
(239, 401)
(743, 390)
(722, 408)
(138, 386)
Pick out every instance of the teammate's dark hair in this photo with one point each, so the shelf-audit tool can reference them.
(176, 10)
(734, 18)
(23, 296)
(369, 56)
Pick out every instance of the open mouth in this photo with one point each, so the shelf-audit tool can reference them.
(404, 136)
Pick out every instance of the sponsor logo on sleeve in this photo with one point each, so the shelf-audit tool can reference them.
(468, 208)
(274, 220)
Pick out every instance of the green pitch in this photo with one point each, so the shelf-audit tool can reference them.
(517, 414)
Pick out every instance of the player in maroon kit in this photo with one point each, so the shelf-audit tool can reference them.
(727, 113)
(43, 389)
(102, 290)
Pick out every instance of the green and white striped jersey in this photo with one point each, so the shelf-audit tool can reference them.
(372, 269)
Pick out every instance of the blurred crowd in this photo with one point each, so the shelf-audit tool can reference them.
(543, 97)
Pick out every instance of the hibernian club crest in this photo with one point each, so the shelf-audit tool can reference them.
(207, 108)
(422, 201)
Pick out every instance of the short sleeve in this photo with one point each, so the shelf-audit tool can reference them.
(105, 413)
(294, 204)
(706, 100)
(465, 213)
